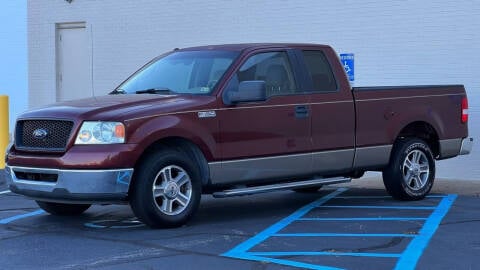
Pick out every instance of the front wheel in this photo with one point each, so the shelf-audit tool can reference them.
(63, 209)
(411, 171)
(167, 189)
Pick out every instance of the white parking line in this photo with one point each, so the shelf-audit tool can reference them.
(4, 192)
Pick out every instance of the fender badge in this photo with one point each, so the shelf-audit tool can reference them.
(207, 114)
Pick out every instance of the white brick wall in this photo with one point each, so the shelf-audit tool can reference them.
(13, 55)
(395, 42)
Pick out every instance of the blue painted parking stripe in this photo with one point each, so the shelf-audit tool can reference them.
(364, 219)
(4, 192)
(381, 197)
(322, 253)
(343, 235)
(246, 256)
(415, 248)
(363, 197)
(406, 259)
(94, 226)
(240, 250)
(379, 207)
(436, 196)
(17, 217)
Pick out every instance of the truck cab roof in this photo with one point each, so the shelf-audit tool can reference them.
(251, 46)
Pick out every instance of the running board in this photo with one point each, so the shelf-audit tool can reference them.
(281, 186)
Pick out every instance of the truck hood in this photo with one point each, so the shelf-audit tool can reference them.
(119, 107)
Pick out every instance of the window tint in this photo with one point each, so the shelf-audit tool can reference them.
(273, 68)
(320, 71)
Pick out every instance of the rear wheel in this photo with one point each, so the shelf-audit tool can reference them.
(167, 189)
(411, 171)
(63, 209)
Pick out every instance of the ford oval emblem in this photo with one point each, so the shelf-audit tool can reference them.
(40, 133)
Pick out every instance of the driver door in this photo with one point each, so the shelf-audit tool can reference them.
(266, 139)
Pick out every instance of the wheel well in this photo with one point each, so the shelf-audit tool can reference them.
(184, 145)
(424, 131)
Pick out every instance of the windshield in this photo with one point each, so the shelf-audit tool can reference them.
(192, 72)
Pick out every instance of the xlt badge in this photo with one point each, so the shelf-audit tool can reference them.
(207, 114)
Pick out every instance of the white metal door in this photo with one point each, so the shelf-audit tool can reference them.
(73, 62)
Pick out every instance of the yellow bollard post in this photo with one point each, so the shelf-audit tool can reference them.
(3, 129)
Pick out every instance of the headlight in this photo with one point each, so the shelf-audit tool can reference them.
(101, 133)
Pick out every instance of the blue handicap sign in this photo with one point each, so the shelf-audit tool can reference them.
(347, 60)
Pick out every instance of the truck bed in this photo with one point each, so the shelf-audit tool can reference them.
(382, 112)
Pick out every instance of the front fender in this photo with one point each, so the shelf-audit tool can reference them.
(203, 132)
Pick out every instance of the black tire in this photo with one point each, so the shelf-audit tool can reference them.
(166, 169)
(307, 189)
(63, 209)
(411, 171)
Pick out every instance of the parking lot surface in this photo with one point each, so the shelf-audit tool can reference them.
(350, 226)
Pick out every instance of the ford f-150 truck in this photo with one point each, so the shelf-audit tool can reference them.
(232, 120)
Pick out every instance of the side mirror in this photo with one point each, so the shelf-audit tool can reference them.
(248, 91)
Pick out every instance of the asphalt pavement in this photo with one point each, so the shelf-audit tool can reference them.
(348, 226)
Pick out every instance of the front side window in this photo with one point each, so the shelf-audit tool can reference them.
(320, 71)
(272, 67)
(192, 72)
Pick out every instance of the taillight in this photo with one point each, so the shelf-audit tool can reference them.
(464, 110)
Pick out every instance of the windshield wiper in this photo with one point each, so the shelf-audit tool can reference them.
(118, 91)
(162, 90)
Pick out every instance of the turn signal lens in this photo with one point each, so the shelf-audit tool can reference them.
(120, 131)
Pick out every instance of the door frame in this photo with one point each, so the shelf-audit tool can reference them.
(58, 28)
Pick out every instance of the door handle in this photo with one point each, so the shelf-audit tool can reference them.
(301, 111)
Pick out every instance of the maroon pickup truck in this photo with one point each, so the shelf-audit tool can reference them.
(232, 120)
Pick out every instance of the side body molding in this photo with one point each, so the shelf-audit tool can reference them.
(285, 166)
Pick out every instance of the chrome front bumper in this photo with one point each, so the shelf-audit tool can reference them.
(467, 145)
(86, 186)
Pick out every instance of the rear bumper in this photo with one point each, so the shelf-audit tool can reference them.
(467, 145)
(70, 186)
(454, 147)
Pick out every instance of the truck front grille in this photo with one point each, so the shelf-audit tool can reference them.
(42, 135)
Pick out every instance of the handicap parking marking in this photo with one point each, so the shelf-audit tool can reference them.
(17, 217)
(379, 207)
(407, 259)
(319, 253)
(343, 235)
(4, 192)
(242, 250)
(381, 197)
(364, 219)
(419, 243)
